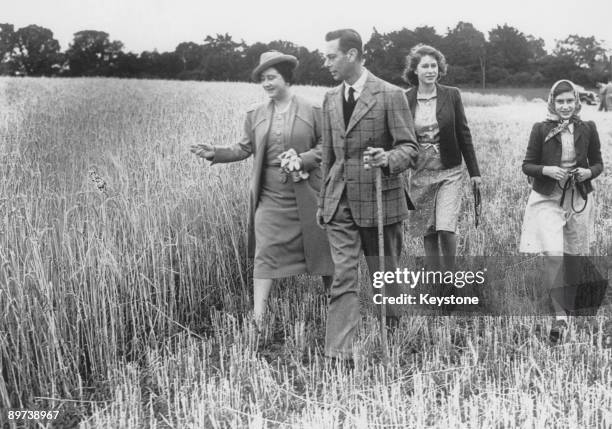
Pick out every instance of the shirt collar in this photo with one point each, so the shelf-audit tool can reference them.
(358, 85)
(428, 97)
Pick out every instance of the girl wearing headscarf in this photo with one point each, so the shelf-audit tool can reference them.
(563, 157)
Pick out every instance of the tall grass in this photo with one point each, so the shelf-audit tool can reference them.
(124, 284)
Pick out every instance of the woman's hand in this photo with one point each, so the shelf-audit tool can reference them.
(554, 172)
(476, 181)
(582, 174)
(204, 150)
(291, 161)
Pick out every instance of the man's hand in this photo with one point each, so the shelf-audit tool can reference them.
(319, 217)
(376, 157)
(204, 150)
(476, 181)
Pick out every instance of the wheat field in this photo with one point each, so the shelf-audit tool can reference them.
(125, 289)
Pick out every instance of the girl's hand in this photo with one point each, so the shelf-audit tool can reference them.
(204, 150)
(582, 174)
(554, 172)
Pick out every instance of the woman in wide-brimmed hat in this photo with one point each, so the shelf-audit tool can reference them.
(563, 157)
(283, 135)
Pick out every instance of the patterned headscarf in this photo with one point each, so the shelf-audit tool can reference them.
(553, 116)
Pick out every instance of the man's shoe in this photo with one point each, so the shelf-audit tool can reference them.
(557, 331)
(345, 365)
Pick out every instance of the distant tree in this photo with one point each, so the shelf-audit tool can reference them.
(509, 48)
(385, 54)
(190, 54)
(284, 46)
(376, 53)
(222, 57)
(428, 36)
(92, 53)
(584, 51)
(251, 58)
(553, 67)
(129, 65)
(150, 65)
(7, 40)
(400, 44)
(536, 47)
(311, 70)
(7, 45)
(36, 52)
(169, 65)
(464, 46)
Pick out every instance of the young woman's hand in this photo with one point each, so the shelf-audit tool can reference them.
(204, 150)
(582, 174)
(554, 172)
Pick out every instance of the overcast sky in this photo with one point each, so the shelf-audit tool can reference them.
(163, 24)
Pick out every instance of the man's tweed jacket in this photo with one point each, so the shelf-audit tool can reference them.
(381, 119)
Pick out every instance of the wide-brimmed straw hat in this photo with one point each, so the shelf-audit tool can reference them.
(270, 58)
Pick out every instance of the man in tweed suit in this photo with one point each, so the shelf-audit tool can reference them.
(363, 116)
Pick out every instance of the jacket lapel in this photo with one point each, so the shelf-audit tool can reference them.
(364, 103)
(338, 100)
(579, 139)
(293, 113)
(442, 98)
(263, 123)
(412, 100)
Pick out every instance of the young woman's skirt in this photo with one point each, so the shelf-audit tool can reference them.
(549, 227)
(436, 193)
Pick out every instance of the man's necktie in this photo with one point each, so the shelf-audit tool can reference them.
(349, 106)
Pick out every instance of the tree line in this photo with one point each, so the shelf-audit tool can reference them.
(507, 57)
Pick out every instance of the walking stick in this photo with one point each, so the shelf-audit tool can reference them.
(381, 264)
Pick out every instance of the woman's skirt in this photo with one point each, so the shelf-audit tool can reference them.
(436, 193)
(549, 227)
(279, 248)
